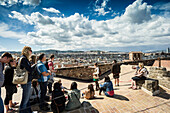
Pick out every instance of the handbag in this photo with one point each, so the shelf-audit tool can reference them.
(20, 75)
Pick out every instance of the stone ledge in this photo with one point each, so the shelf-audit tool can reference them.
(150, 86)
(157, 92)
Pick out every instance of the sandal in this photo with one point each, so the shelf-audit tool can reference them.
(134, 88)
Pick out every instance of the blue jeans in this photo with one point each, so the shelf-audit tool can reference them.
(25, 104)
(1, 103)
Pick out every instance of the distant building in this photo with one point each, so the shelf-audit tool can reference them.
(135, 55)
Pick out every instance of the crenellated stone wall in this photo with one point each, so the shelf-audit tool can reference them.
(81, 72)
(161, 74)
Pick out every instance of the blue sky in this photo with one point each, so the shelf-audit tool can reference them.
(111, 25)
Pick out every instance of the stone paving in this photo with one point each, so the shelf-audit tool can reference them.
(125, 100)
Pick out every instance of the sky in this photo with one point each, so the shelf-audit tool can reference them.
(107, 25)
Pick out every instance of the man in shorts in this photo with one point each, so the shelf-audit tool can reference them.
(115, 71)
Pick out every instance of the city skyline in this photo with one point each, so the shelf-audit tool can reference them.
(107, 25)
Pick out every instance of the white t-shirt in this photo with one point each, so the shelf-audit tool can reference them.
(96, 71)
(144, 71)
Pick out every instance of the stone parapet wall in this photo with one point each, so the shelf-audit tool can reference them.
(161, 74)
(81, 72)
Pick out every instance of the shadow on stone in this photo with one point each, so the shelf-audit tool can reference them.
(85, 108)
(120, 97)
(163, 94)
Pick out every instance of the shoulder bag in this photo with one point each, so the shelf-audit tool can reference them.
(20, 75)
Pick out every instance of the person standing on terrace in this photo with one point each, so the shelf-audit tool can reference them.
(5, 58)
(45, 75)
(9, 86)
(115, 71)
(51, 68)
(25, 63)
(96, 75)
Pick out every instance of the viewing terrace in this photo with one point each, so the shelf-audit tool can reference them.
(125, 100)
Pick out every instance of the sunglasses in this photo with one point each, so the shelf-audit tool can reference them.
(31, 50)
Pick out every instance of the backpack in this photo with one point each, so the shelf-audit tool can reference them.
(35, 72)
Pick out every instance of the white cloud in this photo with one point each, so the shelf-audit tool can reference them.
(8, 2)
(138, 12)
(51, 10)
(31, 2)
(101, 7)
(165, 6)
(25, 2)
(5, 32)
(18, 15)
(35, 18)
(78, 32)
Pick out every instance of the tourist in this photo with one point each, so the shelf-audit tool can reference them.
(62, 87)
(25, 105)
(9, 86)
(46, 63)
(107, 87)
(115, 71)
(35, 92)
(96, 75)
(140, 75)
(58, 99)
(51, 68)
(45, 75)
(5, 58)
(33, 59)
(89, 94)
(73, 97)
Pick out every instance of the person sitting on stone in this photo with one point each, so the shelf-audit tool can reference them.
(107, 87)
(140, 75)
(73, 97)
(89, 94)
(35, 92)
(62, 87)
(58, 99)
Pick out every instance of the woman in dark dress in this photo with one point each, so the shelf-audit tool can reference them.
(9, 86)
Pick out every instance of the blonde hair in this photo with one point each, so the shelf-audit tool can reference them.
(25, 51)
(141, 65)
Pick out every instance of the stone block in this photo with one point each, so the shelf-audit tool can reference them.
(140, 83)
(151, 86)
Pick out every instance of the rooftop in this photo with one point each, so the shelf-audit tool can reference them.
(125, 100)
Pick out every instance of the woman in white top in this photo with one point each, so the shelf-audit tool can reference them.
(140, 75)
(96, 75)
